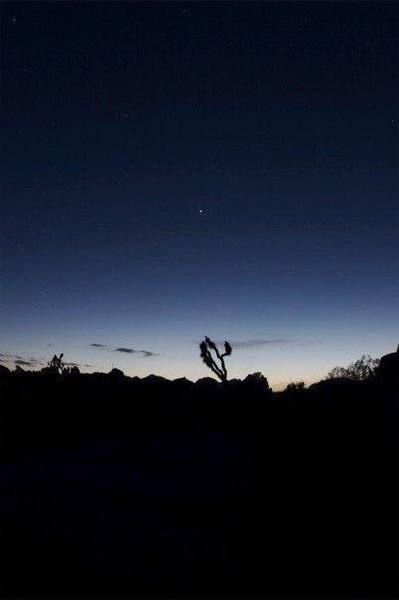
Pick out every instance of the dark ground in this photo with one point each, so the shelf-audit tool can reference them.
(119, 487)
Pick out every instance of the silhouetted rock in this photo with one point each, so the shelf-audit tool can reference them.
(116, 374)
(334, 386)
(182, 387)
(155, 379)
(388, 369)
(4, 370)
(207, 382)
(182, 381)
(234, 385)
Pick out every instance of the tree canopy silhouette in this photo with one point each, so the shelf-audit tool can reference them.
(361, 369)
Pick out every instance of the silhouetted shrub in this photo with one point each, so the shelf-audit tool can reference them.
(295, 387)
(359, 370)
(256, 383)
(207, 382)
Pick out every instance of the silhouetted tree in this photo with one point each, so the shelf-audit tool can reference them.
(256, 382)
(56, 363)
(220, 370)
(295, 387)
(359, 370)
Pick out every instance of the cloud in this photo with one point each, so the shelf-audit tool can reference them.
(20, 360)
(72, 364)
(126, 350)
(145, 353)
(148, 354)
(243, 344)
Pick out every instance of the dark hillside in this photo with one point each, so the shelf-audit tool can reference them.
(113, 486)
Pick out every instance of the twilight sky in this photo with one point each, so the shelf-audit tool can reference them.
(175, 170)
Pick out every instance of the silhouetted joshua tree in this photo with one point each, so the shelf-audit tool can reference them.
(56, 364)
(220, 370)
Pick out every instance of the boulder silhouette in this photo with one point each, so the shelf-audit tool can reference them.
(388, 369)
(205, 382)
(4, 370)
(116, 373)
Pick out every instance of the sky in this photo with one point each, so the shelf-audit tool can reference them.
(176, 170)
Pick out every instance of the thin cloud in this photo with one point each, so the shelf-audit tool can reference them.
(243, 344)
(126, 350)
(20, 360)
(35, 361)
(145, 353)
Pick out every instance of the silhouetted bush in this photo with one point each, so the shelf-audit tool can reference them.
(359, 370)
(256, 383)
(293, 388)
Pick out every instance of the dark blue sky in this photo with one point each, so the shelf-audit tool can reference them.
(172, 170)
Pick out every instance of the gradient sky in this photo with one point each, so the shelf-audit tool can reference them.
(175, 170)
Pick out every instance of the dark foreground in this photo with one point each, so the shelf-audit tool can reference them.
(117, 487)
